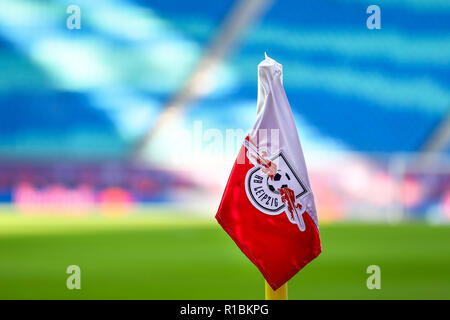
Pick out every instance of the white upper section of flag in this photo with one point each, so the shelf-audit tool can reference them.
(275, 128)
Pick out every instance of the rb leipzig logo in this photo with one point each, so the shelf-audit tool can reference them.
(272, 186)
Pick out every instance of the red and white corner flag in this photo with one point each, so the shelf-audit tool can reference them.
(268, 206)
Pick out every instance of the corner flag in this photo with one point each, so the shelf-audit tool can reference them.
(268, 206)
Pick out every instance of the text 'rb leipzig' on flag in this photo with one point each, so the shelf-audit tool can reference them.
(268, 206)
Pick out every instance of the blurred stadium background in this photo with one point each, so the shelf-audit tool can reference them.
(116, 141)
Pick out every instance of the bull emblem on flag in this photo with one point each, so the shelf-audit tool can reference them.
(288, 197)
(272, 188)
(260, 158)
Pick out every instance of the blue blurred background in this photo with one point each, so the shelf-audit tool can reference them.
(148, 102)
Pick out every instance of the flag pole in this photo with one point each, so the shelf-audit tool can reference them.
(279, 294)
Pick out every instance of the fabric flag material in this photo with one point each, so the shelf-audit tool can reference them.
(268, 206)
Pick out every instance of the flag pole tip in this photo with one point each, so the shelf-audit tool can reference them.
(265, 55)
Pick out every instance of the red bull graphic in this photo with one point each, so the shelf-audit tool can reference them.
(295, 216)
(259, 157)
(272, 186)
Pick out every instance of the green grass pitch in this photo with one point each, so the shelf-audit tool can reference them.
(171, 257)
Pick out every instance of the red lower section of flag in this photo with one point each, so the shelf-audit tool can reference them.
(275, 245)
